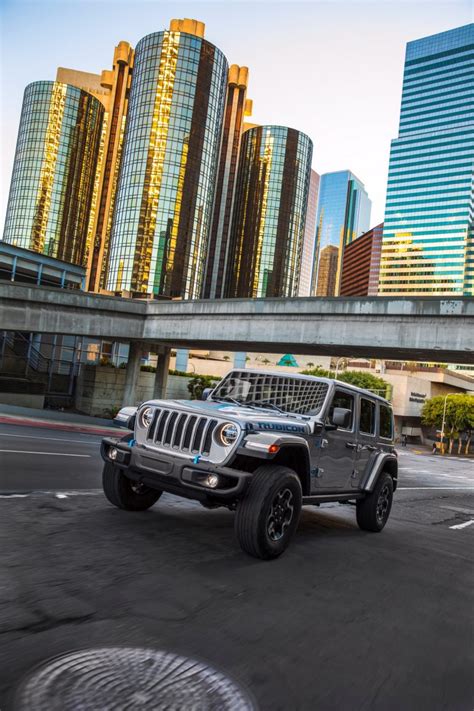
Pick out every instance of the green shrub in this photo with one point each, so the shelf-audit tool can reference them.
(199, 383)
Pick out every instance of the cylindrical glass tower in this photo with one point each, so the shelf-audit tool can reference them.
(53, 174)
(270, 212)
(166, 184)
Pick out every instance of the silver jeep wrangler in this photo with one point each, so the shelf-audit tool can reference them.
(263, 444)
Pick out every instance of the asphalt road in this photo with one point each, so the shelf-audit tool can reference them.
(344, 620)
(33, 459)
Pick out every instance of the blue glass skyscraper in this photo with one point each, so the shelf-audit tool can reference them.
(343, 215)
(428, 240)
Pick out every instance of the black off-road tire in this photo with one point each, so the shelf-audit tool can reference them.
(373, 511)
(272, 492)
(124, 493)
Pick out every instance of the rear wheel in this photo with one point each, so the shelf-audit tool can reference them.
(125, 493)
(267, 517)
(373, 511)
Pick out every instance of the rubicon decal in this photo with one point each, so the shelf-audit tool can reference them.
(276, 427)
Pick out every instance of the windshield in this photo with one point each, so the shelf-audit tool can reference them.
(282, 393)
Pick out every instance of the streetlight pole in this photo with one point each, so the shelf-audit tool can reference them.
(337, 366)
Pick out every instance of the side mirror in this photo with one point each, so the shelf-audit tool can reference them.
(206, 392)
(341, 417)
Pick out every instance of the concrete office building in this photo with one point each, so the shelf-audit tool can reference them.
(361, 264)
(411, 387)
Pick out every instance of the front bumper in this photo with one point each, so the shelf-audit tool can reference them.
(174, 474)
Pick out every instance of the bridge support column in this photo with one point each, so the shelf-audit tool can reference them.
(133, 371)
(161, 375)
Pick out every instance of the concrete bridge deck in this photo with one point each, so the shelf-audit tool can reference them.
(379, 327)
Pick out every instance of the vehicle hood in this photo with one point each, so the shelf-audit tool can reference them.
(254, 419)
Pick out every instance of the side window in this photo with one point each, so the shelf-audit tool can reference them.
(367, 417)
(386, 426)
(342, 399)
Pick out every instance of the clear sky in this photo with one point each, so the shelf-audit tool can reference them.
(332, 69)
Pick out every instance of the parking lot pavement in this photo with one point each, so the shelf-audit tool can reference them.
(345, 619)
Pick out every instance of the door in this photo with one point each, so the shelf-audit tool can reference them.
(338, 448)
(366, 440)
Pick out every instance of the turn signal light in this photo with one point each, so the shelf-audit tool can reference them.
(273, 448)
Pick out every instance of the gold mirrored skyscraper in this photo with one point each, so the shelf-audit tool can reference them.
(269, 216)
(111, 88)
(52, 184)
(238, 107)
(163, 207)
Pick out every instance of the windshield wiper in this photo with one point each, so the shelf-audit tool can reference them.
(226, 398)
(265, 405)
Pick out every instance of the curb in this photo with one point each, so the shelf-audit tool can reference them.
(55, 425)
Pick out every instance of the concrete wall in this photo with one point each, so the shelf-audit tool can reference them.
(99, 390)
(22, 400)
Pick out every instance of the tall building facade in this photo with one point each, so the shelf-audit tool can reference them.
(307, 254)
(53, 176)
(428, 237)
(343, 215)
(361, 264)
(112, 88)
(270, 211)
(238, 107)
(165, 193)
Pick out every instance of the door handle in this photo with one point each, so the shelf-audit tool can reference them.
(370, 447)
(351, 445)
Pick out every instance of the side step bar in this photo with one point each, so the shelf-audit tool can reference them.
(340, 497)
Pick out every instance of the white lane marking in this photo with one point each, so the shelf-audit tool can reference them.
(463, 525)
(435, 488)
(58, 494)
(51, 439)
(49, 454)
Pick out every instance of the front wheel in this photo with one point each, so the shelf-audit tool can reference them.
(267, 517)
(124, 493)
(373, 511)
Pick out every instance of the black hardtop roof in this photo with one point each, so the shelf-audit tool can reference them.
(301, 376)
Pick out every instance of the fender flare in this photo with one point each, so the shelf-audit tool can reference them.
(260, 441)
(385, 461)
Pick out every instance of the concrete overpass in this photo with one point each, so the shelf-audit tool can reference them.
(380, 327)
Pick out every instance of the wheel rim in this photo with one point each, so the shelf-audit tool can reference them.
(383, 503)
(281, 514)
(138, 488)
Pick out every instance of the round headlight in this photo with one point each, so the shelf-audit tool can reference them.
(228, 434)
(146, 417)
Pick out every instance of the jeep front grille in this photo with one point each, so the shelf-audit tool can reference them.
(181, 431)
